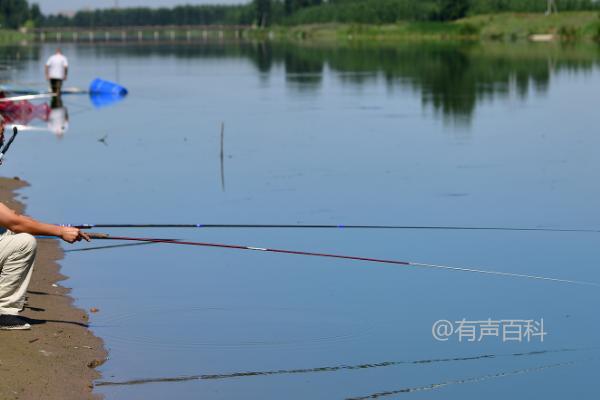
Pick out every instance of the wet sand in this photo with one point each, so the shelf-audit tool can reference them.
(56, 359)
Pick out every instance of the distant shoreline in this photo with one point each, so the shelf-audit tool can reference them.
(507, 27)
(504, 27)
(10, 37)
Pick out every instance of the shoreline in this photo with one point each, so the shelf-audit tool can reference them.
(509, 27)
(12, 37)
(57, 358)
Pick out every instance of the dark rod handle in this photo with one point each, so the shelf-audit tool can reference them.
(94, 235)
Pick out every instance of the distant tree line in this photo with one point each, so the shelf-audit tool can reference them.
(491, 6)
(380, 11)
(17, 13)
(268, 12)
(144, 16)
(390, 11)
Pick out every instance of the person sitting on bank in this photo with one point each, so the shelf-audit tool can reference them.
(17, 254)
(56, 70)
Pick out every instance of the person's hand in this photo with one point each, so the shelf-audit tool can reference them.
(72, 235)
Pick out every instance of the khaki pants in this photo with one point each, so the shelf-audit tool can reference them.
(17, 253)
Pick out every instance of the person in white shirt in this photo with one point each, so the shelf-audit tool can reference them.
(56, 70)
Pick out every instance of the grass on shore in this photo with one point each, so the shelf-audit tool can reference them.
(12, 37)
(506, 26)
(566, 25)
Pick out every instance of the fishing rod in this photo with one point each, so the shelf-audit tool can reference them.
(105, 236)
(325, 226)
(27, 97)
(7, 145)
(23, 128)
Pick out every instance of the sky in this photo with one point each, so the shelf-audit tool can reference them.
(54, 6)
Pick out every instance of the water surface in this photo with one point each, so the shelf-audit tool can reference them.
(498, 135)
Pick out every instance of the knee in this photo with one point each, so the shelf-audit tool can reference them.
(27, 242)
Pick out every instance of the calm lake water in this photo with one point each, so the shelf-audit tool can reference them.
(497, 135)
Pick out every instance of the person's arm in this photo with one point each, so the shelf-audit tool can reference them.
(46, 72)
(66, 71)
(22, 224)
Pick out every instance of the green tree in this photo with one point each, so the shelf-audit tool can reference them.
(450, 10)
(263, 12)
(35, 15)
(291, 6)
(13, 13)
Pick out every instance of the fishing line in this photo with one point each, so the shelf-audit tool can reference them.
(338, 226)
(345, 257)
(114, 246)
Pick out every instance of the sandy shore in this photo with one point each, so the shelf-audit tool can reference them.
(56, 359)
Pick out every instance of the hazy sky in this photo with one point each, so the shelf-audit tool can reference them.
(53, 6)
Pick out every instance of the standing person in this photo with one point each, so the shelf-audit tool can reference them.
(17, 254)
(56, 70)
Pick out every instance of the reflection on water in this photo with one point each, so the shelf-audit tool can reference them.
(25, 113)
(325, 369)
(58, 118)
(452, 78)
(14, 58)
(476, 379)
(33, 115)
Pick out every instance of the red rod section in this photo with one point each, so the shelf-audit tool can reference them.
(232, 246)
